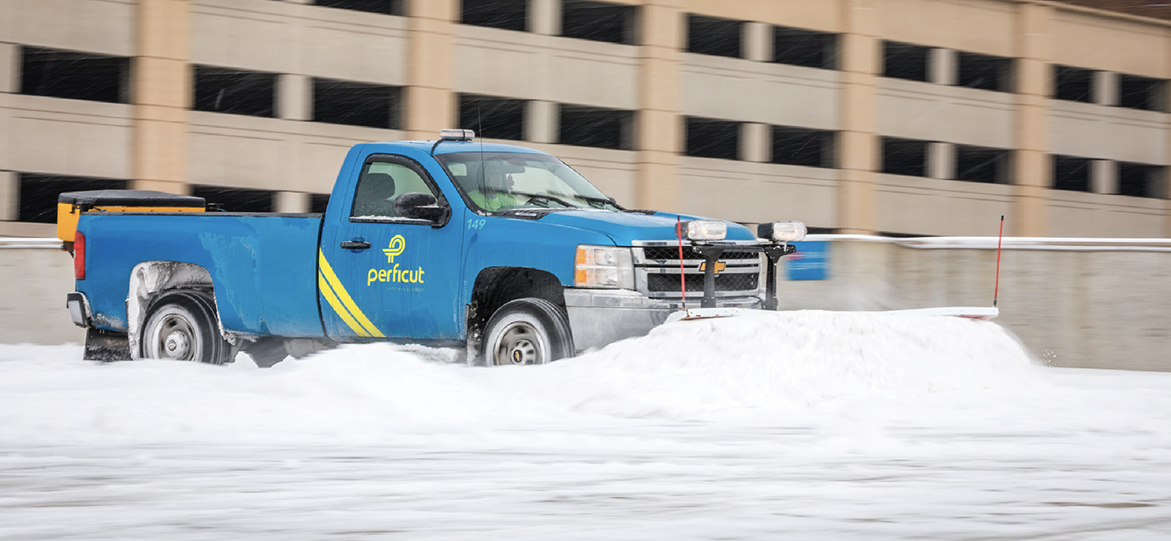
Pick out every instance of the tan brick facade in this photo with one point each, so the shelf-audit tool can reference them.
(156, 141)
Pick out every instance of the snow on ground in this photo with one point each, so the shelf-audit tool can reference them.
(806, 424)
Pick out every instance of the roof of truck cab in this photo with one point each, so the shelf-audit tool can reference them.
(448, 147)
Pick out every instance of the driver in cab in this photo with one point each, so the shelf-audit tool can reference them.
(495, 191)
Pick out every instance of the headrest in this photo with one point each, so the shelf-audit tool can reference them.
(378, 185)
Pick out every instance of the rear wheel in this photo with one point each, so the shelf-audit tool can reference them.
(527, 331)
(183, 326)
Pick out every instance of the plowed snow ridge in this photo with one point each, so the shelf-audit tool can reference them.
(682, 371)
(791, 359)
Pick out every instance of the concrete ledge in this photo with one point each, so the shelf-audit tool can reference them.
(1011, 243)
(11, 243)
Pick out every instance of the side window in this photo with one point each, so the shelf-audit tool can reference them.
(381, 184)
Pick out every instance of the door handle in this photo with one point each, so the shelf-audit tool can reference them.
(355, 244)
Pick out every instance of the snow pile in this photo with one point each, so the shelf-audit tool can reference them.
(367, 394)
(788, 359)
(356, 394)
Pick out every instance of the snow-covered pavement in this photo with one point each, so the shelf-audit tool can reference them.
(807, 425)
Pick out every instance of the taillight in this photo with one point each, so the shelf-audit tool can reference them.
(79, 256)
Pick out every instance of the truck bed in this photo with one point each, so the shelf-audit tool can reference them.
(263, 266)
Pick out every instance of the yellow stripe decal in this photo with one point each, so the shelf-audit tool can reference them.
(341, 311)
(348, 304)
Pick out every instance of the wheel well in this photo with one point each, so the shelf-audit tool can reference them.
(151, 279)
(498, 285)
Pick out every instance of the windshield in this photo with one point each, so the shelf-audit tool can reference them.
(502, 181)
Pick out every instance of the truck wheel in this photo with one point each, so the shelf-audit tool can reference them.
(183, 326)
(527, 331)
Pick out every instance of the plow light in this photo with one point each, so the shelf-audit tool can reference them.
(705, 230)
(456, 135)
(603, 267)
(781, 231)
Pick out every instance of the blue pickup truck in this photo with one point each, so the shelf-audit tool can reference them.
(501, 249)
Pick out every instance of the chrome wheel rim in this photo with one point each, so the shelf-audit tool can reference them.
(519, 345)
(174, 338)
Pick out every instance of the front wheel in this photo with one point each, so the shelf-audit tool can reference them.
(183, 326)
(527, 331)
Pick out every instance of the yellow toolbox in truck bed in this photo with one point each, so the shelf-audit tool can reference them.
(70, 205)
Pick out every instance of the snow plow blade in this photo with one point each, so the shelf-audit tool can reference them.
(982, 313)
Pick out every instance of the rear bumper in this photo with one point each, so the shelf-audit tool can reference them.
(100, 345)
(603, 316)
(79, 310)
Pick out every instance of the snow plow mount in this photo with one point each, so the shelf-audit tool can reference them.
(712, 252)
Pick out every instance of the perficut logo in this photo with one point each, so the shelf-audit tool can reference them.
(396, 247)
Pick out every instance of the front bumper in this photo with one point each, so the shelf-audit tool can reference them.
(603, 316)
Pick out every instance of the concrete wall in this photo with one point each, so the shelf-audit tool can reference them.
(99, 136)
(1074, 304)
(36, 276)
(716, 188)
(1100, 304)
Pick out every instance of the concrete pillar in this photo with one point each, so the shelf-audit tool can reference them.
(1165, 182)
(545, 17)
(758, 42)
(9, 196)
(1032, 164)
(9, 83)
(861, 57)
(541, 122)
(660, 126)
(161, 93)
(755, 142)
(941, 161)
(294, 97)
(9, 68)
(1166, 208)
(1105, 88)
(430, 101)
(1104, 176)
(7, 138)
(942, 66)
(290, 202)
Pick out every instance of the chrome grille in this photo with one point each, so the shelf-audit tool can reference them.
(672, 253)
(724, 282)
(656, 271)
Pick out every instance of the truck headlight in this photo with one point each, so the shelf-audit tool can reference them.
(603, 266)
(781, 231)
(705, 230)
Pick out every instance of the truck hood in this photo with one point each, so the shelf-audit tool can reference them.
(625, 227)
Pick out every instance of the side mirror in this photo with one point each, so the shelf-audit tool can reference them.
(422, 206)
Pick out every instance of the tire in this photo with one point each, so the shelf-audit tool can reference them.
(183, 326)
(527, 331)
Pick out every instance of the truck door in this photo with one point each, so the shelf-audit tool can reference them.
(382, 270)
